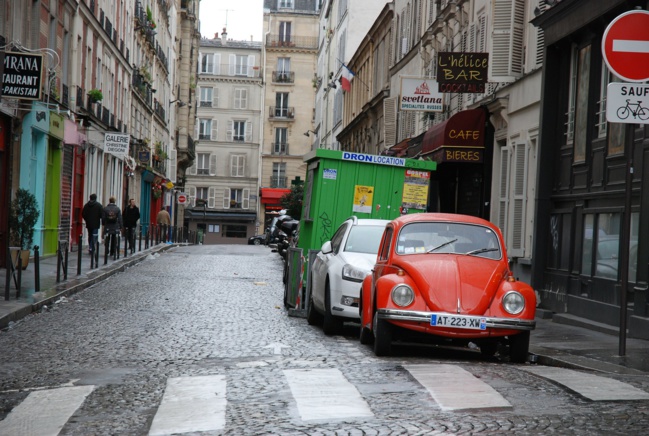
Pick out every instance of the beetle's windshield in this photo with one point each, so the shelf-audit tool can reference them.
(444, 237)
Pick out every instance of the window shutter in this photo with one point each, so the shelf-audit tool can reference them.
(172, 165)
(246, 199)
(200, 62)
(192, 195)
(503, 192)
(248, 131)
(215, 130)
(212, 164)
(192, 169)
(230, 130)
(507, 40)
(251, 65)
(233, 65)
(226, 198)
(198, 127)
(215, 97)
(389, 121)
(216, 68)
(244, 99)
(210, 197)
(519, 202)
(232, 166)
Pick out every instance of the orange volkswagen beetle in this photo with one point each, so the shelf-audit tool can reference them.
(445, 278)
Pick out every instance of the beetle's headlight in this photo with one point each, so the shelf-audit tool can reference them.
(513, 302)
(354, 274)
(403, 295)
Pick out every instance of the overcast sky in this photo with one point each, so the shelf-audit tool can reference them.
(243, 17)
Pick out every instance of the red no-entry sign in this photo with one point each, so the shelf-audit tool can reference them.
(625, 46)
(182, 199)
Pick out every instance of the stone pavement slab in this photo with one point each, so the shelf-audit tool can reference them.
(590, 386)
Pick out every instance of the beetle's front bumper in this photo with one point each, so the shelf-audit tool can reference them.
(491, 322)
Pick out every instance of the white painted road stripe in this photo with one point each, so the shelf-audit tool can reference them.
(325, 394)
(191, 404)
(592, 387)
(456, 389)
(44, 413)
(631, 46)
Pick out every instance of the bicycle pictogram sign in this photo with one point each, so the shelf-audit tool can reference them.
(634, 109)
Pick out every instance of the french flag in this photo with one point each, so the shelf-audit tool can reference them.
(346, 79)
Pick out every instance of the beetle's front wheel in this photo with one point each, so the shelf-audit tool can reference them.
(519, 345)
(382, 336)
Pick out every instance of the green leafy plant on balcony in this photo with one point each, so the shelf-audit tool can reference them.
(95, 95)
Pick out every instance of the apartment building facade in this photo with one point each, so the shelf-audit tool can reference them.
(500, 122)
(104, 70)
(223, 183)
(343, 26)
(289, 61)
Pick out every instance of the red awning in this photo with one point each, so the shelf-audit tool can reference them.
(272, 195)
(464, 129)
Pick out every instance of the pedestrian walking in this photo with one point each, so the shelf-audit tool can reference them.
(164, 221)
(92, 213)
(131, 217)
(112, 220)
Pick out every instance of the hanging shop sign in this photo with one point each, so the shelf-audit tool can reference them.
(21, 77)
(420, 94)
(462, 71)
(116, 143)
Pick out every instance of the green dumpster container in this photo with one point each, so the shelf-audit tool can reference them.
(341, 184)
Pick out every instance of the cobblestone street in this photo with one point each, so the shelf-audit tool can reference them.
(205, 311)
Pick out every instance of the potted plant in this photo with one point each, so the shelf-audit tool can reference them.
(23, 215)
(95, 95)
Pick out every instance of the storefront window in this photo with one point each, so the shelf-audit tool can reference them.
(234, 231)
(559, 240)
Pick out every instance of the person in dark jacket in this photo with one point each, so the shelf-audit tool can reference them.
(112, 221)
(91, 214)
(131, 217)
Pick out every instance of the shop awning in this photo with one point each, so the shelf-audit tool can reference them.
(272, 195)
(458, 139)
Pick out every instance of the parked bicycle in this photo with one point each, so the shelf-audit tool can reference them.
(634, 109)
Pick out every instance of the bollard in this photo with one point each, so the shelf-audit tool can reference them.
(65, 270)
(79, 253)
(140, 243)
(59, 262)
(106, 244)
(37, 269)
(118, 242)
(126, 239)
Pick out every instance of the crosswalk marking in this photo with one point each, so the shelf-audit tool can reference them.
(456, 389)
(191, 404)
(593, 387)
(44, 413)
(325, 394)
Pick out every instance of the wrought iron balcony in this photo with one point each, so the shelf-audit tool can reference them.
(281, 113)
(283, 76)
(292, 41)
(280, 148)
(278, 182)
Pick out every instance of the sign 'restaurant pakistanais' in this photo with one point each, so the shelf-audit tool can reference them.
(21, 77)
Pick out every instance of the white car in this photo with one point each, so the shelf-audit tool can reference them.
(338, 270)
